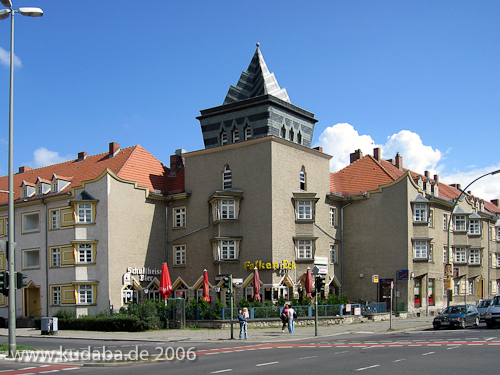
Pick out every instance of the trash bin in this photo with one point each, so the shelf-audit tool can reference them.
(49, 326)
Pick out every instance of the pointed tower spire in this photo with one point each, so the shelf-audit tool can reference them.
(256, 81)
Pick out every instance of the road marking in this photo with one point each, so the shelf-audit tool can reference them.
(313, 356)
(399, 360)
(266, 364)
(218, 372)
(367, 368)
(429, 353)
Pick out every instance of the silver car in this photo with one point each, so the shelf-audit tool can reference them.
(482, 306)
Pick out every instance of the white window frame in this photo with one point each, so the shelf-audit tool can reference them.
(333, 253)
(179, 215)
(420, 250)
(460, 223)
(228, 209)
(248, 132)
(179, 255)
(305, 208)
(55, 257)
(84, 212)
(31, 222)
(236, 135)
(302, 179)
(474, 227)
(431, 218)
(55, 219)
(305, 249)
(31, 259)
(431, 252)
(497, 230)
(445, 222)
(420, 213)
(85, 253)
(227, 178)
(228, 250)
(474, 257)
(460, 255)
(470, 286)
(333, 216)
(85, 294)
(56, 296)
(223, 137)
(497, 260)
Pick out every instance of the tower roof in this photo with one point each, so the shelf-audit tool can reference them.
(256, 81)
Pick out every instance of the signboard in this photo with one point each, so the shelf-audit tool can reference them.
(321, 260)
(403, 275)
(448, 284)
(237, 281)
(375, 279)
(127, 279)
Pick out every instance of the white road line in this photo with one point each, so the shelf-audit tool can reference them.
(399, 360)
(429, 353)
(345, 351)
(218, 372)
(366, 368)
(313, 356)
(266, 364)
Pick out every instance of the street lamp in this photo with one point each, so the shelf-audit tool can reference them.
(4, 13)
(448, 250)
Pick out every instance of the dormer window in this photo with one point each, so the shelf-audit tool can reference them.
(299, 138)
(55, 187)
(291, 134)
(248, 132)
(236, 135)
(283, 132)
(58, 183)
(223, 138)
(39, 190)
(27, 190)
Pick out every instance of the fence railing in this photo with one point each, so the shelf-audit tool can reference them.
(275, 312)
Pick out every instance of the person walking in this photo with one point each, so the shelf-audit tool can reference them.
(284, 317)
(243, 324)
(291, 319)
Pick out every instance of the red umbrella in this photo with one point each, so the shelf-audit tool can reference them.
(256, 284)
(206, 286)
(309, 283)
(165, 282)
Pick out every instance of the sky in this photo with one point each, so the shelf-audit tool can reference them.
(421, 78)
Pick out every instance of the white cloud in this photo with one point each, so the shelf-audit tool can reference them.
(342, 139)
(5, 58)
(43, 157)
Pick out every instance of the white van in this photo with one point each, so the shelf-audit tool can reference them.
(492, 316)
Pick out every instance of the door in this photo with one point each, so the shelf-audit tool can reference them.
(385, 292)
(32, 305)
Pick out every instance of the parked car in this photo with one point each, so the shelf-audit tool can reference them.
(492, 315)
(482, 306)
(457, 316)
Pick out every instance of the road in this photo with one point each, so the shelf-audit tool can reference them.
(412, 352)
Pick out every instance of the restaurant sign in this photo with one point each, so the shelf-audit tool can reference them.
(284, 265)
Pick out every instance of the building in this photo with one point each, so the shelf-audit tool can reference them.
(395, 229)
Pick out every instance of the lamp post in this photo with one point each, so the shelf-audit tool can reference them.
(448, 250)
(4, 13)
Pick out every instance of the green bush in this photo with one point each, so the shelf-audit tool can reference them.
(244, 303)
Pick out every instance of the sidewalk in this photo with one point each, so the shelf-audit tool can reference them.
(254, 334)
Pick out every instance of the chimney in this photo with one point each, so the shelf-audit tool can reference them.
(377, 154)
(399, 161)
(356, 155)
(82, 155)
(319, 148)
(495, 202)
(24, 169)
(427, 174)
(436, 178)
(113, 149)
(176, 162)
(457, 186)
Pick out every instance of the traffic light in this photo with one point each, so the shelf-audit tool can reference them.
(21, 280)
(4, 282)
(228, 282)
(228, 297)
(320, 284)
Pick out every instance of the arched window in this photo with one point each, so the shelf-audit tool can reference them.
(302, 178)
(299, 138)
(236, 135)
(227, 182)
(291, 134)
(223, 137)
(283, 132)
(248, 132)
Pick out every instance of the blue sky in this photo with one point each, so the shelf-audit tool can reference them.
(420, 78)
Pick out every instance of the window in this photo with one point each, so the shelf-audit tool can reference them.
(84, 213)
(471, 286)
(55, 256)
(333, 253)
(283, 132)
(302, 179)
(498, 233)
(304, 249)
(248, 132)
(55, 187)
(180, 217)
(86, 294)
(56, 295)
(333, 216)
(445, 222)
(420, 250)
(460, 223)
(474, 226)
(236, 135)
(304, 210)
(31, 258)
(417, 292)
(291, 135)
(180, 255)
(129, 295)
(39, 190)
(445, 260)
(497, 260)
(85, 253)
(420, 213)
(227, 182)
(228, 250)
(431, 218)
(430, 291)
(223, 137)
(228, 208)
(299, 138)
(475, 256)
(31, 222)
(431, 252)
(55, 219)
(460, 255)
(456, 287)
(224, 206)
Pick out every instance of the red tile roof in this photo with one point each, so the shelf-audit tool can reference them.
(132, 163)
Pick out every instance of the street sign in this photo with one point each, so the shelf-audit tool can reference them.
(375, 279)
(315, 270)
(237, 281)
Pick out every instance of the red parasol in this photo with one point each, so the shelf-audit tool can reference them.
(256, 284)
(206, 286)
(165, 282)
(309, 283)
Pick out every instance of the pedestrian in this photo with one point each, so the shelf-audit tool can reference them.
(246, 315)
(243, 324)
(291, 319)
(284, 317)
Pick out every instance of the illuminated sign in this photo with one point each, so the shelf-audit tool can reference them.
(284, 265)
